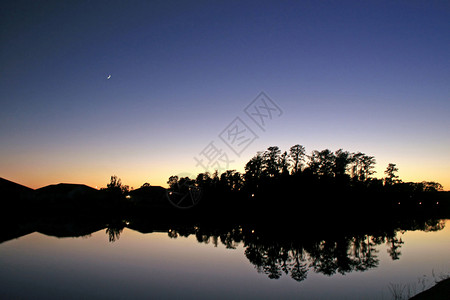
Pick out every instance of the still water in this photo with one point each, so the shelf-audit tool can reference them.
(123, 263)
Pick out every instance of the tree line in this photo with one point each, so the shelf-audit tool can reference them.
(341, 168)
(274, 179)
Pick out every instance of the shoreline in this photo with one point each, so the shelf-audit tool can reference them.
(441, 290)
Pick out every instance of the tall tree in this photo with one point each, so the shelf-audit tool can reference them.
(321, 163)
(284, 163)
(362, 166)
(254, 169)
(272, 161)
(391, 177)
(368, 164)
(342, 161)
(297, 156)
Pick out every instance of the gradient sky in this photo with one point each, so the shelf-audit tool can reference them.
(369, 76)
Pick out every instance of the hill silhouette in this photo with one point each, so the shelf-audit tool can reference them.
(149, 196)
(65, 192)
(14, 190)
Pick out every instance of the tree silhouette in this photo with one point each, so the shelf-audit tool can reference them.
(321, 163)
(297, 156)
(231, 180)
(325, 176)
(205, 181)
(391, 178)
(115, 187)
(254, 170)
(172, 182)
(368, 164)
(272, 161)
(431, 186)
(362, 166)
(342, 160)
(284, 164)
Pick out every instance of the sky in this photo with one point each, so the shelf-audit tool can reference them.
(188, 78)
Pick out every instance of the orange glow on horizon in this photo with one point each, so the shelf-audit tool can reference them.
(137, 179)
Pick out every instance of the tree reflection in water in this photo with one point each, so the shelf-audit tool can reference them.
(114, 229)
(277, 253)
(287, 246)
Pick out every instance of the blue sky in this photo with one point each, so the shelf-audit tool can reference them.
(370, 76)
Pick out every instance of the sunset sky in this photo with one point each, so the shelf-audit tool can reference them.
(369, 76)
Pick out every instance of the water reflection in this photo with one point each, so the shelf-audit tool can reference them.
(295, 257)
(277, 250)
(277, 253)
(115, 228)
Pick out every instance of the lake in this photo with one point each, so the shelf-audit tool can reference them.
(128, 260)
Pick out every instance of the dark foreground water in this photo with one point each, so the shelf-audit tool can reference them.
(121, 263)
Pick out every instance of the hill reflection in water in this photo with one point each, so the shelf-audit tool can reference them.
(274, 250)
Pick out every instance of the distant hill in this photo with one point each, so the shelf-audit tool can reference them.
(12, 190)
(67, 189)
(64, 193)
(152, 196)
